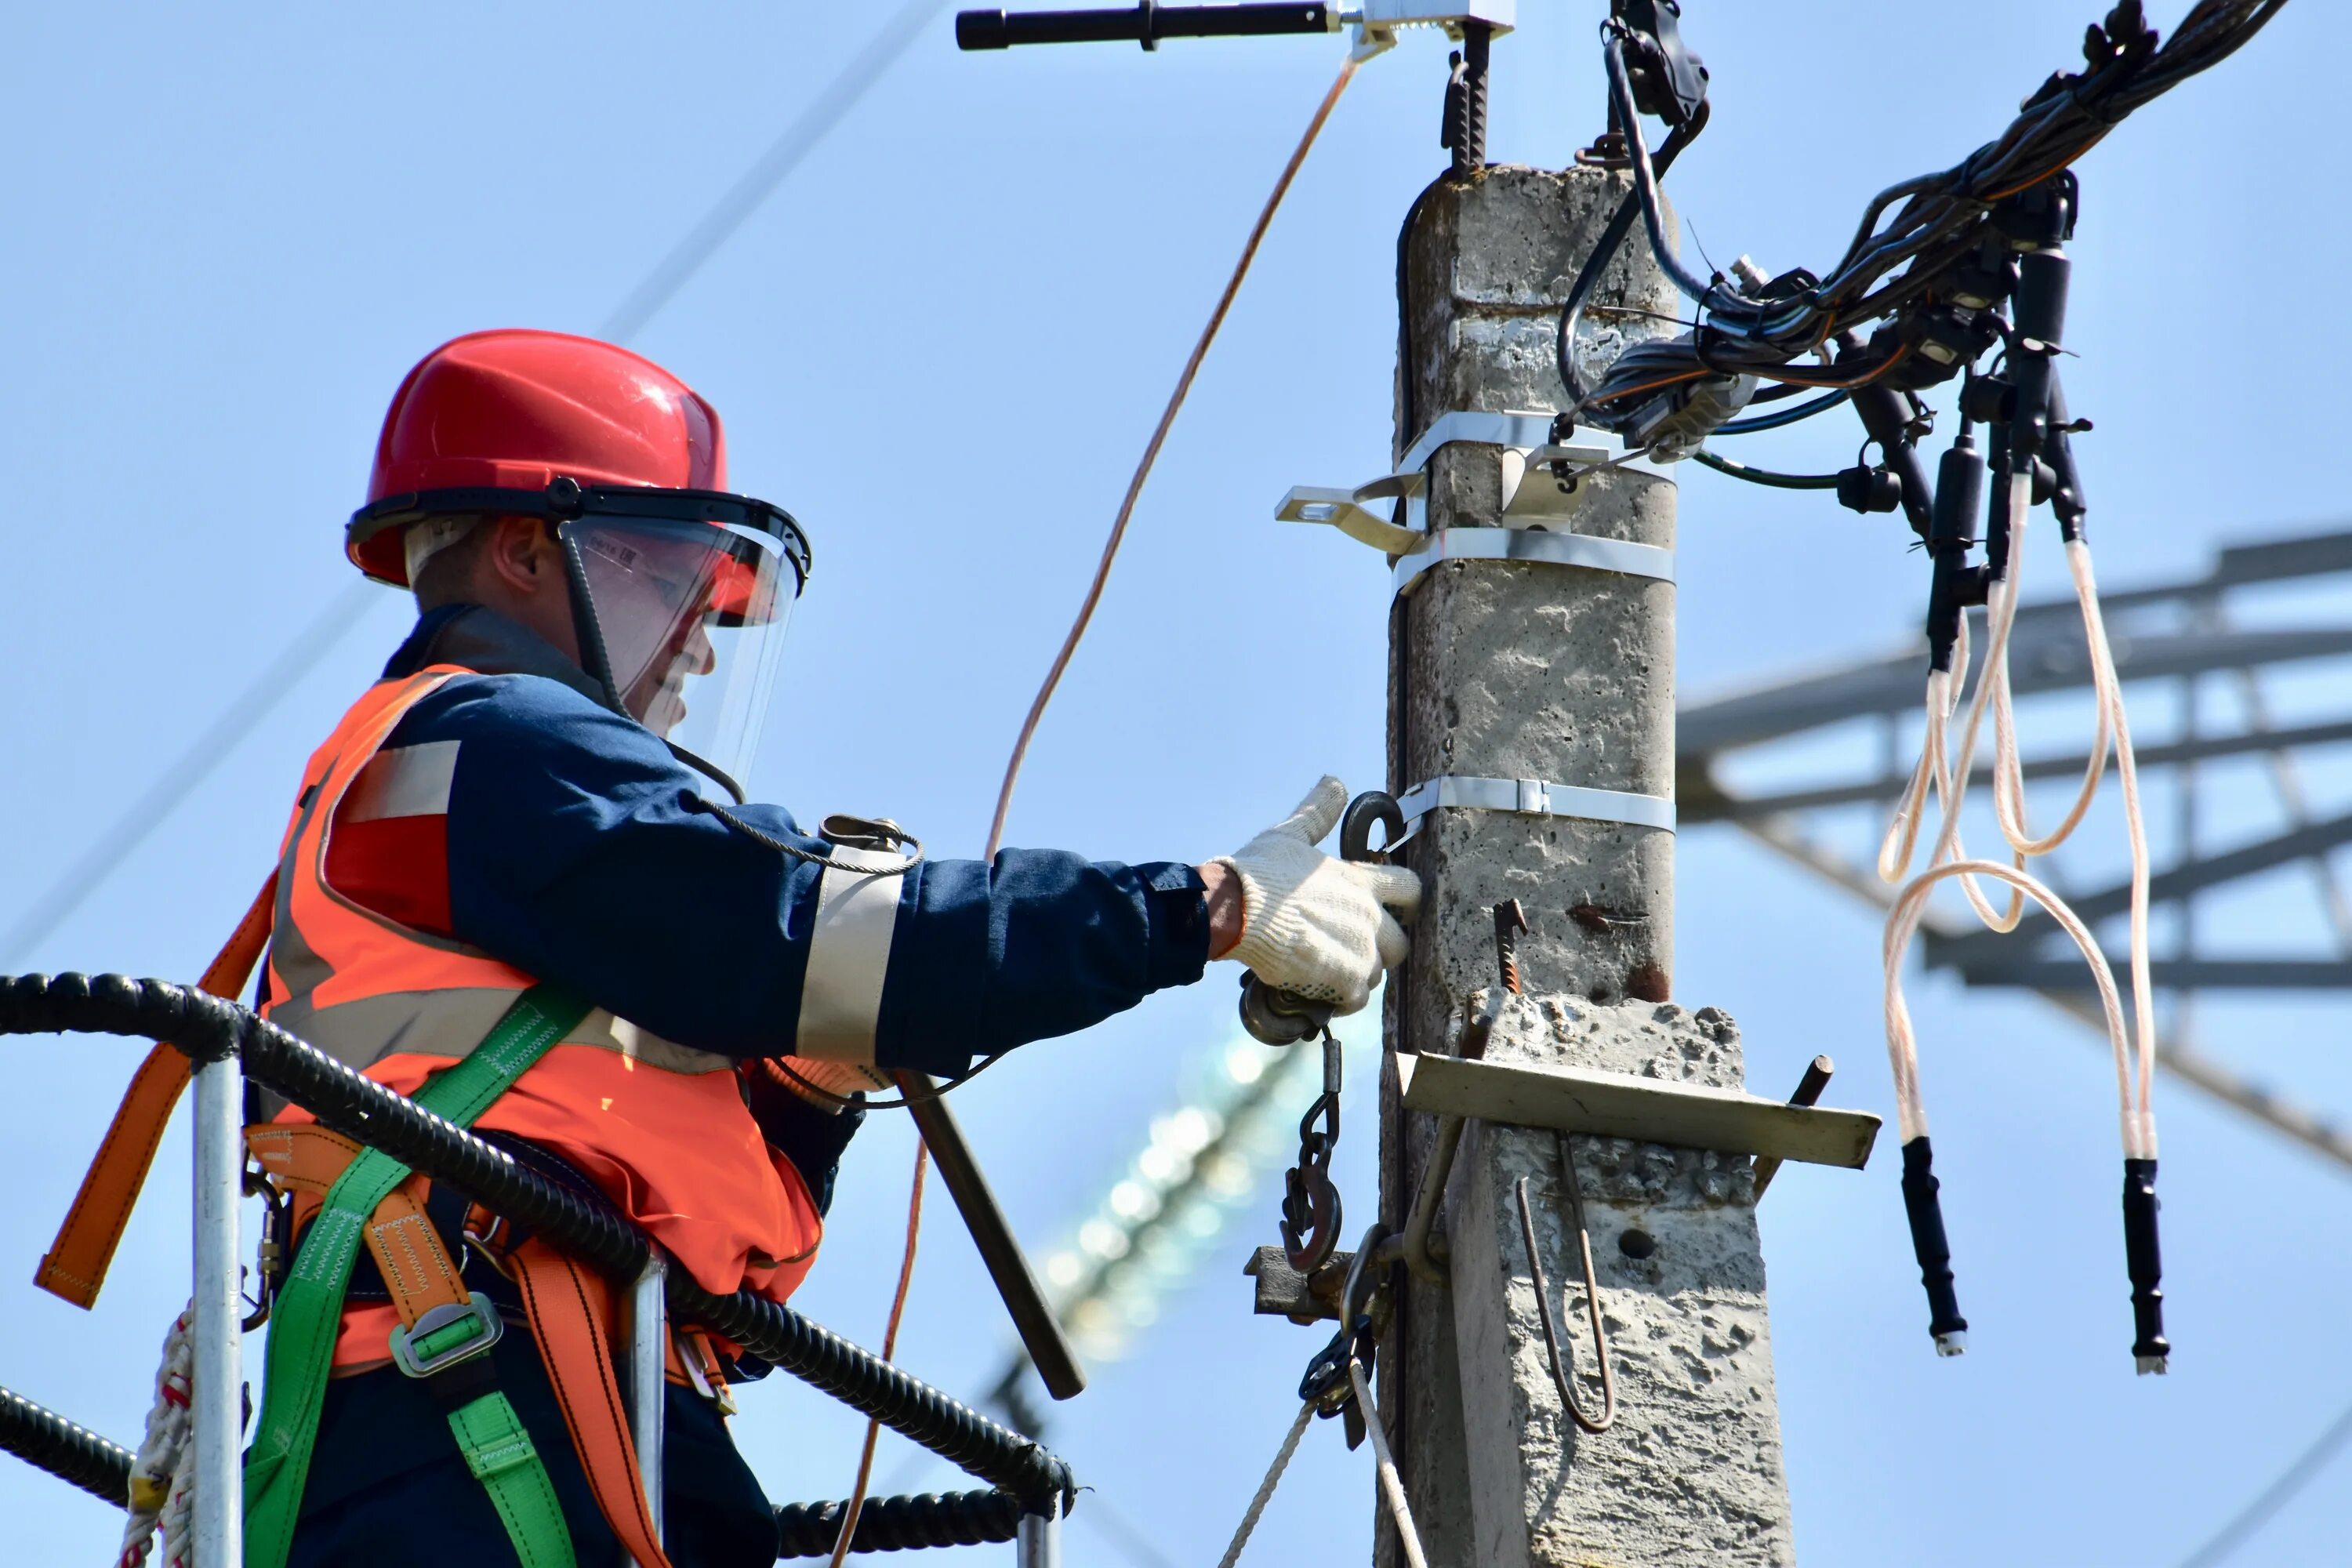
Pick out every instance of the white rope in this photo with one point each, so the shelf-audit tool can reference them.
(1391, 1487)
(162, 1470)
(2134, 1048)
(1266, 1488)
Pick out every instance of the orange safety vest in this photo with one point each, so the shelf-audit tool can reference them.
(660, 1128)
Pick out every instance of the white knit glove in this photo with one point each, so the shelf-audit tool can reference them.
(1313, 925)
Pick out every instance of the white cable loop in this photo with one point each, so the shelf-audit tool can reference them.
(2134, 1048)
(1894, 851)
(2009, 770)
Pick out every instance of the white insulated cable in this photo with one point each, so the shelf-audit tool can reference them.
(2134, 1054)
(2103, 663)
(1894, 851)
(2008, 771)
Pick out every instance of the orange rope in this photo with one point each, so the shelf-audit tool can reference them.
(890, 1349)
(1151, 456)
(1054, 679)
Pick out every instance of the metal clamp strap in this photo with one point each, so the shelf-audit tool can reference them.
(1526, 432)
(1534, 546)
(1535, 797)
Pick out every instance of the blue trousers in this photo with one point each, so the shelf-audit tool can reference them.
(388, 1488)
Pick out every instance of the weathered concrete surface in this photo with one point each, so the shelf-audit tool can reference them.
(1502, 671)
(1691, 1472)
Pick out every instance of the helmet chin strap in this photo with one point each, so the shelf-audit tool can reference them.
(599, 663)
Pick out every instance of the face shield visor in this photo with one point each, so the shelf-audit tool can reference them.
(683, 621)
(679, 599)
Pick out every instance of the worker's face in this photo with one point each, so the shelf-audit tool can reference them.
(652, 591)
(658, 697)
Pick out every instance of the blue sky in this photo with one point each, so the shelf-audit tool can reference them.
(941, 344)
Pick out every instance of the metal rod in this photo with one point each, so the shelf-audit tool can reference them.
(219, 1316)
(1039, 1543)
(1418, 1256)
(649, 1391)
(1024, 1298)
(1809, 1092)
(1144, 24)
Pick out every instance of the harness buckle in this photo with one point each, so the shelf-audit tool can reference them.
(452, 1333)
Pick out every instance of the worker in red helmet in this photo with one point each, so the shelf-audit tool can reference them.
(519, 883)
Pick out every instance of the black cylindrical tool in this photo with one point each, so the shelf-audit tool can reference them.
(2150, 1349)
(1959, 493)
(1925, 1211)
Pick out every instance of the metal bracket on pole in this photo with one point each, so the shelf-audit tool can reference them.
(1533, 501)
(219, 1326)
(1537, 797)
(648, 1354)
(1618, 1105)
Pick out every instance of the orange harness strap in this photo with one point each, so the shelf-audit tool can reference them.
(569, 1308)
(76, 1263)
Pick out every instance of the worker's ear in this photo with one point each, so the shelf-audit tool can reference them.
(524, 556)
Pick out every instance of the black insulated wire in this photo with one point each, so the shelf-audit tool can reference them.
(1597, 260)
(1765, 477)
(1710, 295)
(900, 1523)
(1940, 219)
(2145, 1259)
(42, 1437)
(208, 1029)
(1924, 1209)
(1780, 418)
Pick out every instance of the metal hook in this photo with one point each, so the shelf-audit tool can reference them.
(1552, 1333)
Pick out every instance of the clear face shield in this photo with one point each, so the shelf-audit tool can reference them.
(679, 597)
(686, 618)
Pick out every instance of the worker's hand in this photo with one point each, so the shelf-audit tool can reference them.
(1320, 928)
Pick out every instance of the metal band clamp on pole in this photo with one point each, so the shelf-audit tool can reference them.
(1537, 797)
(1533, 547)
(210, 1029)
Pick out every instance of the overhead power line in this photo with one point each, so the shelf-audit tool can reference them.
(179, 778)
(2306, 1467)
(186, 773)
(744, 196)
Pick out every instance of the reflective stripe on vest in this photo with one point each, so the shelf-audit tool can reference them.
(360, 987)
(662, 1128)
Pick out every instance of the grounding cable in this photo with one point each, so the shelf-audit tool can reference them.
(2134, 1046)
(1078, 632)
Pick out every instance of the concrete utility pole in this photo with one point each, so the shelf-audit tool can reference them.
(1561, 675)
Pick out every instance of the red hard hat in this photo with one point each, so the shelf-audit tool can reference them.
(514, 409)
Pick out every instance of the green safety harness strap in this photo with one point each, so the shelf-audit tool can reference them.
(308, 1313)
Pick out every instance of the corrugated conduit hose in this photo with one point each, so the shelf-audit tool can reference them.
(209, 1029)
